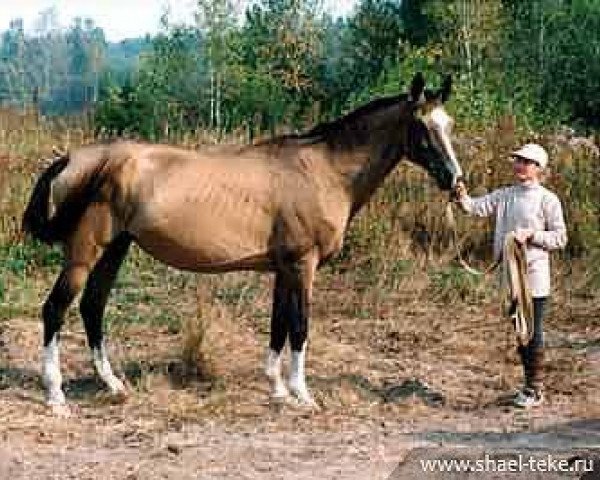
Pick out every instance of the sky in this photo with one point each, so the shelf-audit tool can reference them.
(119, 18)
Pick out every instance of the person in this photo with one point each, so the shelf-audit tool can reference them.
(535, 215)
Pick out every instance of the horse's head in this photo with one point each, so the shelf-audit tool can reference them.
(428, 132)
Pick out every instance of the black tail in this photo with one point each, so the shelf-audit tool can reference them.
(36, 219)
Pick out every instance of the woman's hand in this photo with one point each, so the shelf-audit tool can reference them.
(460, 190)
(523, 235)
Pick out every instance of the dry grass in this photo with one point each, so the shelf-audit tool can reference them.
(198, 351)
(211, 335)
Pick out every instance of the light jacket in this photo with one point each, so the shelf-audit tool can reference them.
(525, 205)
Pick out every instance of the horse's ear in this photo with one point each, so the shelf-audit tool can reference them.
(417, 87)
(444, 92)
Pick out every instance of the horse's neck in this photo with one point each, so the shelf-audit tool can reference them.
(365, 168)
(371, 148)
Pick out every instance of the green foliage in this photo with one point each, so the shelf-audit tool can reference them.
(570, 64)
(455, 284)
(164, 96)
(537, 61)
(419, 27)
(375, 32)
(280, 49)
(397, 272)
(122, 61)
(287, 64)
(20, 257)
(119, 111)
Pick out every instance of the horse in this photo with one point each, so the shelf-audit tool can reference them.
(280, 206)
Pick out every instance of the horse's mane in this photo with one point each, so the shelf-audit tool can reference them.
(323, 131)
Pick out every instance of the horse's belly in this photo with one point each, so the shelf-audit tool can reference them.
(198, 260)
(201, 239)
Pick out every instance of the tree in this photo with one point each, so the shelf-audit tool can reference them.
(216, 20)
(419, 28)
(283, 46)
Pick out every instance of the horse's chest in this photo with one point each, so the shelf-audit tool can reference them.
(330, 235)
(332, 245)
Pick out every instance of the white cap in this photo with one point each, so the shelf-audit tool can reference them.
(534, 152)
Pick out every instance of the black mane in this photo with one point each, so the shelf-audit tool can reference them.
(323, 130)
(326, 130)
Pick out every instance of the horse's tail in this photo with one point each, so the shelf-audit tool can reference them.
(36, 218)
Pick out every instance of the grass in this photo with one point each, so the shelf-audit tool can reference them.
(453, 284)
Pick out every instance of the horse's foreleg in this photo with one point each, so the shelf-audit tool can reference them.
(300, 300)
(93, 302)
(299, 320)
(279, 333)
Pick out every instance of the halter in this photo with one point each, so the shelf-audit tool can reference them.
(451, 222)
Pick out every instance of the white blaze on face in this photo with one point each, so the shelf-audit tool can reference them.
(441, 124)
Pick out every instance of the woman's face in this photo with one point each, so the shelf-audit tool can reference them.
(525, 169)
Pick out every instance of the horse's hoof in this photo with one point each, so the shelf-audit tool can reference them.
(303, 399)
(60, 410)
(279, 399)
(279, 392)
(309, 404)
(119, 396)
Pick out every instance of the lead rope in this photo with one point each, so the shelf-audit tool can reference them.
(514, 277)
(514, 264)
(451, 222)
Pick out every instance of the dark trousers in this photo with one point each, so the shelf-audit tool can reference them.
(539, 307)
(532, 354)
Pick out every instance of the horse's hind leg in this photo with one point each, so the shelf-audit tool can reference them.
(82, 251)
(68, 284)
(93, 302)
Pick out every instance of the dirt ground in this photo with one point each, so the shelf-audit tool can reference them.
(407, 380)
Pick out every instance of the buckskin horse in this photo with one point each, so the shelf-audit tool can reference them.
(280, 205)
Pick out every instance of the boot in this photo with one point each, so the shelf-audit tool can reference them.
(536, 380)
(532, 358)
(524, 352)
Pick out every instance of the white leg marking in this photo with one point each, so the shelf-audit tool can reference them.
(105, 372)
(297, 378)
(273, 371)
(51, 376)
